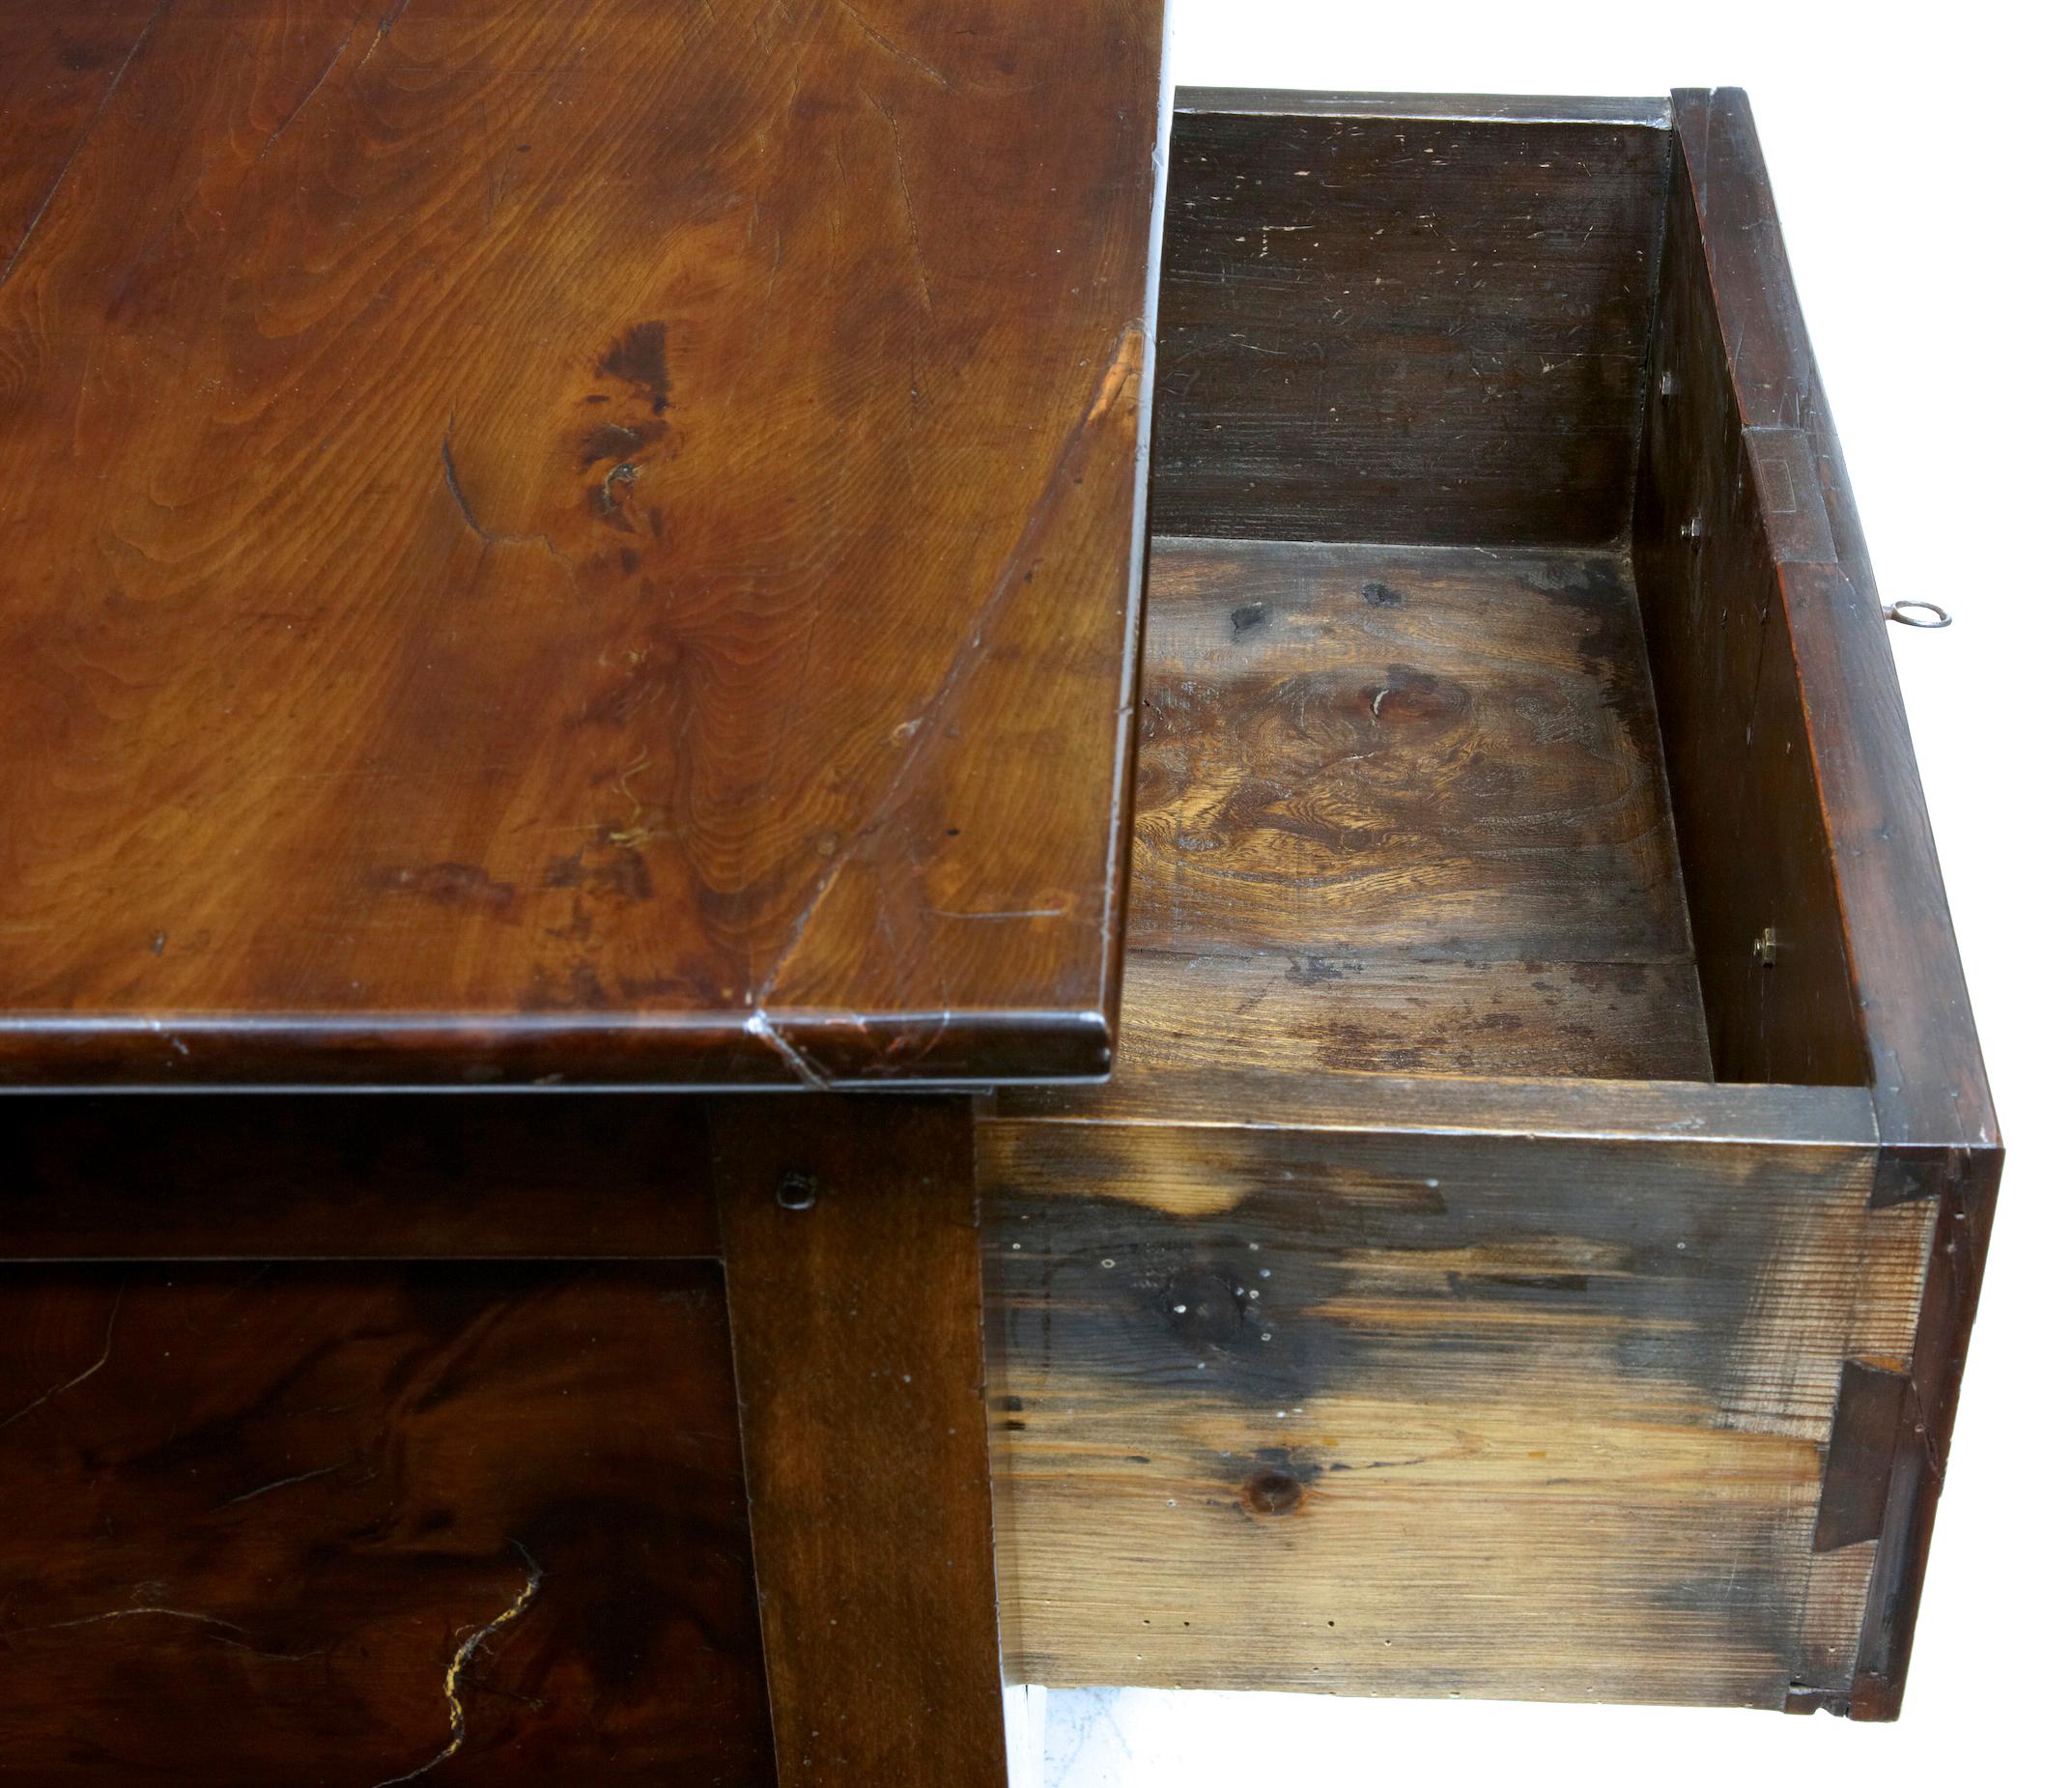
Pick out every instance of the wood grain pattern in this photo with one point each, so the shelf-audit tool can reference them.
(1940, 1139)
(854, 1278)
(1316, 1367)
(1928, 1077)
(1428, 325)
(273, 1177)
(355, 1524)
(1520, 1110)
(1426, 1415)
(1757, 853)
(552, 540)
(1401, 810)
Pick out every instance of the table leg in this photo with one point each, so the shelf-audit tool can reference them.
(853, 1286)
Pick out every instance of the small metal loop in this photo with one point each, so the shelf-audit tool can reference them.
(1906, 614)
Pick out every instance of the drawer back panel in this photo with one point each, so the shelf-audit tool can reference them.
(1403, 327)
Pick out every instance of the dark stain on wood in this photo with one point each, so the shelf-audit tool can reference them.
(452, 884)
(1278, 1487)
(1644, 1254)
(639, 357)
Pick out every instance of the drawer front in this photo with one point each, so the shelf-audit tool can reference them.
(1435, 1415)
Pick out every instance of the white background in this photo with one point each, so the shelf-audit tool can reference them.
(1919, 158)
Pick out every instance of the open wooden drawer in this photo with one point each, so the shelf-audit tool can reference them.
(1528, 1243)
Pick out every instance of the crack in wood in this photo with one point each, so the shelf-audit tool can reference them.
(885, 43)
(1123, 362)
(107, 1348)
(489, 537)
(469, 1646)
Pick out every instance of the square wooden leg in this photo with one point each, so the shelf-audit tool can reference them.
(853, 1286)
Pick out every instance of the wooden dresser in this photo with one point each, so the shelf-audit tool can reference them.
(829, 854)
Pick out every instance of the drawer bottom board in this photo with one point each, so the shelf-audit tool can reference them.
(1402, 809)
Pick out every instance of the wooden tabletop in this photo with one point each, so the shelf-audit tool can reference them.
(592, 543)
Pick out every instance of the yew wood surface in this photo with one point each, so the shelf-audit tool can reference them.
(352, 1524)
(587, 541)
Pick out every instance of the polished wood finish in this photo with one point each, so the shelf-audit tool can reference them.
(590, 542)
(1400, 810)
(370, 1524)
(853, 1272)
(1382, 1411)
(1426, 323)
(574, 547)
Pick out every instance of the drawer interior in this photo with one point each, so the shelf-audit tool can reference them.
(1402, 809)
(1447, 767)
(1407, 1272)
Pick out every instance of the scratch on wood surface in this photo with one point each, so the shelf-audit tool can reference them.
(315, 87)
(36, 216)
(94, 1620)
(878, 37)
(1024, 912)
(1124, 364)
(389, 21)
(107, 1348)
(760, 1025)
(906, 201)
(299, 1477)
